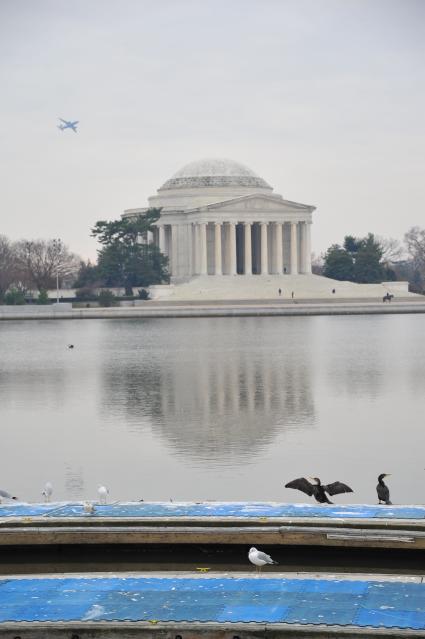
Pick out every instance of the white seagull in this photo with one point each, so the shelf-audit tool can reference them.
(48, 491)
(259, 559)
(88, 508)
(103, 492)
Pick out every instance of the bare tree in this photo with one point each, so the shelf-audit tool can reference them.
(317, 264)
(41, 261)
(392, 250)
(8, 265)
(415, 243)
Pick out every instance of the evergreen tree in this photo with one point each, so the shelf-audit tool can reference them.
(367, 263)
(359, 260)
(123, 259)
(338, 263)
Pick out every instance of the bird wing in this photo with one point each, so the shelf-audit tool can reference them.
(301, 484)
(5, 494)
(263, 557)
(383, 492)
(337, 487)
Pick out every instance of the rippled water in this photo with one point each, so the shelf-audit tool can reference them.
(226, 408)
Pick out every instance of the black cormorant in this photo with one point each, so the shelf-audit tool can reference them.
(319, 490)
(383, 490)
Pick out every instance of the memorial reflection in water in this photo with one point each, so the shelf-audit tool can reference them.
(213, 398)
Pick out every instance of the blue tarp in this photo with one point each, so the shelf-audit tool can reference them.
(269, 600)
(214, 509)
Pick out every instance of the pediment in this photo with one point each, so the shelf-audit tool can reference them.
(255, 202)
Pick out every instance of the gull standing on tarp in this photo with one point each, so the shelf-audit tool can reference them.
(48, 491)
(103, 493)
(259, 559)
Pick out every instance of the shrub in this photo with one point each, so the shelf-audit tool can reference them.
(106, 297)
(143, 294)
(43, 298)
(14, 297)
(86, 293)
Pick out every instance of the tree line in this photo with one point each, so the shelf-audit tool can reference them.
(127, 260)
(30, 265)
(373, 259)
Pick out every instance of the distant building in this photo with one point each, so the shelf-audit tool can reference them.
(219, 218)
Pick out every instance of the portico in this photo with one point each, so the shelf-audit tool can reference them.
(240, 248)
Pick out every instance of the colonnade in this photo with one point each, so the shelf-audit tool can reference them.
(229, 248)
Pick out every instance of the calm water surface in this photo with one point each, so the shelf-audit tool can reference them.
(226, 408)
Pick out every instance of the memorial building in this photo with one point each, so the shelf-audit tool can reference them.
(228, 236)
(219, 218)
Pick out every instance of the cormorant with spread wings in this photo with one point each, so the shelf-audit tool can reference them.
(317, 489)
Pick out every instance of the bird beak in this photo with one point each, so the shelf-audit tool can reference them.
(388, 475)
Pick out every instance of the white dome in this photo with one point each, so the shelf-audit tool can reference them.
(214, 172)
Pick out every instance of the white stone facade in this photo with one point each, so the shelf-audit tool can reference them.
(219, 218)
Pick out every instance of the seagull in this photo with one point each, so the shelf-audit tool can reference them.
(317, 489)
(383, 490)
(6, 495)
(48, 491)
(259, 559)
(88, 507)
(103, 492)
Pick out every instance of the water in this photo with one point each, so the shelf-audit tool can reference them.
(226, 408)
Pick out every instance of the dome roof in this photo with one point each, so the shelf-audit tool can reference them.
(214, 172)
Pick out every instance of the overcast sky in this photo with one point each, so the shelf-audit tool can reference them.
(324, 99)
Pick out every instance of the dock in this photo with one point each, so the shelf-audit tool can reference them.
(185, 606)
(251, 523)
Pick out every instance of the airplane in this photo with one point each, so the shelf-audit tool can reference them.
(68, 125)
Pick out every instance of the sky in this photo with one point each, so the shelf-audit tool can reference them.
(324, 99)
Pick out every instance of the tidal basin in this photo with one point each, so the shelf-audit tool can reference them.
(217, 408)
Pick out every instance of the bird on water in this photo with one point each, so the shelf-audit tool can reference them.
(259, 559)
(383, 490)
(317, 489)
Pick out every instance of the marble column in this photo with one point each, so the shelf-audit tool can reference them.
(278, 248)
(217, 249)
(195, 240)
(294, 249)
(161, 238)
(203, 248)
(264, 251)
(307, 247)
(174, 250)
(248, 249)
(232, 249)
